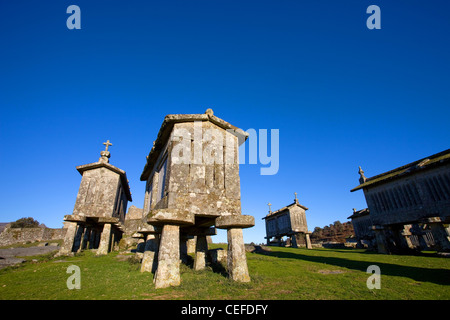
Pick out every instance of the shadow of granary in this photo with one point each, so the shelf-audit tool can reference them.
(438, 276)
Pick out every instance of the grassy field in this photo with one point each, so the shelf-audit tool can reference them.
(282, 273)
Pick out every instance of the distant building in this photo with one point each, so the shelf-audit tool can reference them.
(410, 205)
(99, 211)
(362, 225)
(289, 221)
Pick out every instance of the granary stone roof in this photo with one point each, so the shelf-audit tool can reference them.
(279, 211)
(359, 213)
(166, 128)
(425, 163)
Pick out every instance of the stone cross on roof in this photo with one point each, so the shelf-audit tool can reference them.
(105, 154)
(107, 144)
(270, 209)
(296, 200)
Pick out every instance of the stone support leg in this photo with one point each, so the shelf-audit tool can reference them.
(168, 271)
(308, 241)
(69, 238)
(191, 243)
(105, 240)
(406, 237)
(236, 258)
(79, 238)
(92, 238)
(201, 249)
(86, 237)
(294, 243)
(150, 257)
(113, 241)
(183, 249)
(441, 236)
(381, 240)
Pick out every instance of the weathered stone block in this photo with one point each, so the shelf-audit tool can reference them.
(200, 253)
(168, 271)
(236, 257)
(235, 221)
(172, 216)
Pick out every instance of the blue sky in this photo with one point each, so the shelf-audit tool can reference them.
(340, 94)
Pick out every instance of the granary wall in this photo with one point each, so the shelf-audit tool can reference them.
(98, 194)
(120, 205)
(362, 226)
(406, 200)
(298, 219)
(197, 171)
(278, 225)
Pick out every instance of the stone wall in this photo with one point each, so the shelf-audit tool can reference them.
(11, 236)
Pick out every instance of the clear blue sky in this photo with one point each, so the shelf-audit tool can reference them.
(340, 94)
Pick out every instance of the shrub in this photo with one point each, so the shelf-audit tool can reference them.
(25, 223)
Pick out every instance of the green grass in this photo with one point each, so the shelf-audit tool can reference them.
(31, 244)
(282, 273)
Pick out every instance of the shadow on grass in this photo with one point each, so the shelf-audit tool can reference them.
(216, 267)
(438, 276)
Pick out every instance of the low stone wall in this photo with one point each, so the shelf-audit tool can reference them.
(11, 236)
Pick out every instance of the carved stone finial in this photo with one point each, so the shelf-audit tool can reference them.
(296, 200)
(105, 154)
(209, 112)
(270, 209)
(362, 178)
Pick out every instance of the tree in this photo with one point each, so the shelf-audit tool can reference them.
(336, 231)
(25, 223)
(338, 226)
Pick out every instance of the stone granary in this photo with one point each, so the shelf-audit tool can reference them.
(193, 187)
(100, 207)
(289, 221)
(410, 205)
(362, 225)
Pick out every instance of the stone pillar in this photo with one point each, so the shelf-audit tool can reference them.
(92, 238)
(86, 237)
(191, 244)
(380, 239)
(440, 234)
(67, 246)
(417, 230)
(300, 239)
(150, 257)
(105, 240)
(201, 249)
(294, 243)
(406, 240)
(79, 238)
(236, 258)
(308, 240)
(113, 241)
(183, 248)
(98, 234)
(168, 271)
